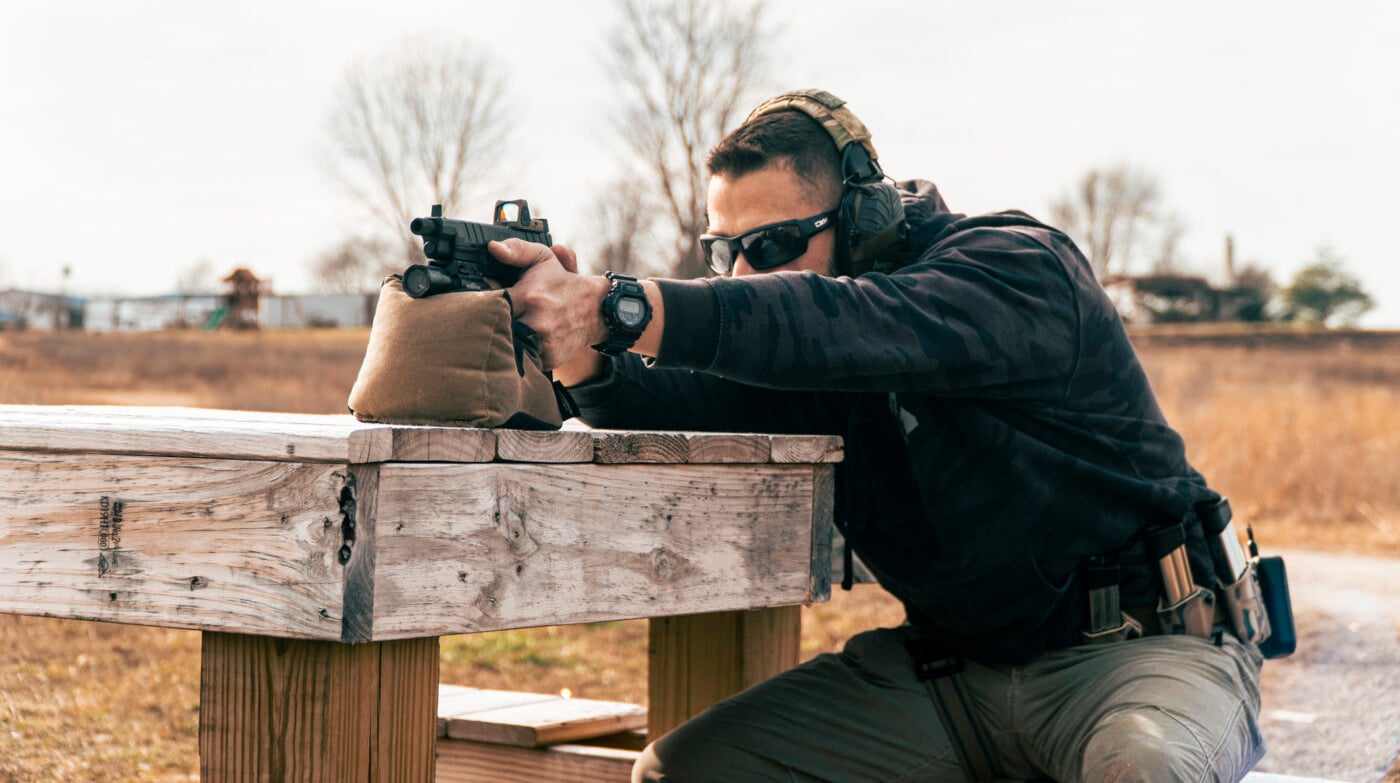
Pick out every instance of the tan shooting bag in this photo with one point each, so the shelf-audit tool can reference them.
(456, 359)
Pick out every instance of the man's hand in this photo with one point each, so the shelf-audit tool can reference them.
(562, 305)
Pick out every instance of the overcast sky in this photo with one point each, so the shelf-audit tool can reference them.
(139, 138)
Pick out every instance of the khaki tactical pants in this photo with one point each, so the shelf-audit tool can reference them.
(1162, 708)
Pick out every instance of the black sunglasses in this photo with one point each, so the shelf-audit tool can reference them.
(766, 246)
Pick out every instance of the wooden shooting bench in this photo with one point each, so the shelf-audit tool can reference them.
(322, 558)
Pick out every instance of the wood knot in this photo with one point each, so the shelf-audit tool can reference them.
(664, 564)
(513, 525)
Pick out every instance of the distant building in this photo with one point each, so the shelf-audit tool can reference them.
(34, 310)
(146, 313)
(1176, 298)
(316, 310)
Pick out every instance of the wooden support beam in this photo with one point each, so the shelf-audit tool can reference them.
(697, 660)
(297, 710)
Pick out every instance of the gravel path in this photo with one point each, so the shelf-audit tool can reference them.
(1332, 709)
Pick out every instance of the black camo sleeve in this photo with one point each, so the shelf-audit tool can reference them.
(631, 395)
(989, 311)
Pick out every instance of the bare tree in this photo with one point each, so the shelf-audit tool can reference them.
(686, 69)
(1168, 256)
(413, 128)
(1105, 211)
(356, 265)
(197, 278)
(625, 225)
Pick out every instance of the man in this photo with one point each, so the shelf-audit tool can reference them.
(1008, 474)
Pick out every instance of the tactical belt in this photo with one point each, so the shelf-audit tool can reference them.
(1184, 607)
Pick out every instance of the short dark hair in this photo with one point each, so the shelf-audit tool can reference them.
(790, 138)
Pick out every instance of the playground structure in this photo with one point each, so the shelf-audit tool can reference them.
(240, 309)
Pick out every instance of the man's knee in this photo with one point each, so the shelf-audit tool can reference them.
(1129, 751)
(648, 768)
(672, 762)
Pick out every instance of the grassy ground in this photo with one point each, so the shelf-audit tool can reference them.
(1303, 435)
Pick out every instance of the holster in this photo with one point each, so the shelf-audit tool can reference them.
(458, 359)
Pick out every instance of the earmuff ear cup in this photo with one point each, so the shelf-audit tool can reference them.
(870, 220)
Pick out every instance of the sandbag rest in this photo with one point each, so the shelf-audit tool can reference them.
(457, 359)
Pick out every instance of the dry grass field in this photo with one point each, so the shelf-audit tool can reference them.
(1302, 433)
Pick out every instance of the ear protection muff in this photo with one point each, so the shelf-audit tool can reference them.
(870, 216)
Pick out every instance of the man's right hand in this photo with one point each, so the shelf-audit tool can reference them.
(563, 306)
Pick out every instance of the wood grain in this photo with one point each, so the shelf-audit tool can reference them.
(467, 548)
(462, 761)
(207, 433)
(441, 444)
(530, 719)
(806, 448)
(191, 543)
(620, 448)
(178, 432)
(629, 448)
(697, 660)
(296, 710)
(727, 447)
(536, 446)
(823, 531)
(195, 536)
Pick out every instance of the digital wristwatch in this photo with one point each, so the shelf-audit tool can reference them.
(626, 312)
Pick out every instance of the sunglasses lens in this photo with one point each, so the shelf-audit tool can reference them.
(773, 246)
(717, 255)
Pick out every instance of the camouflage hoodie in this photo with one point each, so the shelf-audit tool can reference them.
(999, 427)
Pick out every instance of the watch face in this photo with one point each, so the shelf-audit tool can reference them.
(630, 312)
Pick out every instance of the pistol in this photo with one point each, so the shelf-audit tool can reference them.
(456, 250)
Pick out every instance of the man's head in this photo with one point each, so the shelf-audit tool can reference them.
(775, 168)
(801, 164)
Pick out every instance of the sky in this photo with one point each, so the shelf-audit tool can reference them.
(140, 139)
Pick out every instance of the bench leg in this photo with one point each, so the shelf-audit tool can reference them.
(697, 660)
(297, 710)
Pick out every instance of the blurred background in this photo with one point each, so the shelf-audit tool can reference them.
(1216, 150)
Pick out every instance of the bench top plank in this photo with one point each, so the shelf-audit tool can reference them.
(296, 437)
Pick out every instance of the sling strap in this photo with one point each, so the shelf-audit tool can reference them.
(942, 675)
